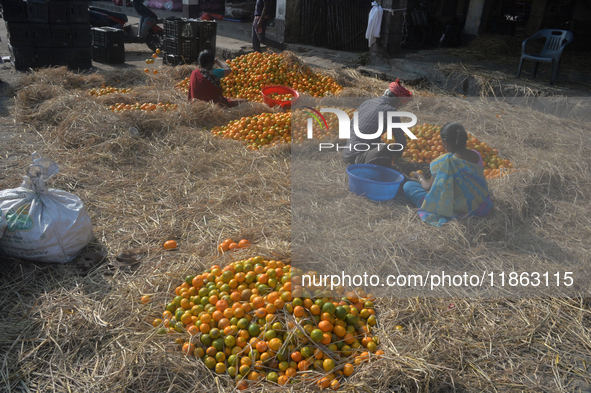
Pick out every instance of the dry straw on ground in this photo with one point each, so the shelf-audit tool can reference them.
(63, 332)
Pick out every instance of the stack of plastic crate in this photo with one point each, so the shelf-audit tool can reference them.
(107, 45)
(184, 39)
(45, 33)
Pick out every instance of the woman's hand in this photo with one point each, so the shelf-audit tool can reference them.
(416, 176)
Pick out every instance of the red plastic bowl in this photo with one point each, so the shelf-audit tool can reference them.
(266, 91)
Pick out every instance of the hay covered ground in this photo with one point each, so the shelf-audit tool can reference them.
(71, 333)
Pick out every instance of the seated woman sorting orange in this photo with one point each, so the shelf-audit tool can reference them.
(204, 83)
(457, 187)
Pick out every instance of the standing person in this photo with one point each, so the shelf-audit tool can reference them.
(368, 113)
(457, 187)
(204, 83)
(264, 11)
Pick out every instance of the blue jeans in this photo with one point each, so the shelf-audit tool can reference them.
(414, 192)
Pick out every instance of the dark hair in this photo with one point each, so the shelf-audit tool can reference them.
(206, 59)
(455, 136)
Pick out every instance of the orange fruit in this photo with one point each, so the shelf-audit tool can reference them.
(325, 326)
(170, 245)
(303, 365)
(188, 349)
(275, 344)
(328, 365)
(223, 247)
(243, 243)
(296, 356)
(348, 369)
(298, 311)
(221, 305)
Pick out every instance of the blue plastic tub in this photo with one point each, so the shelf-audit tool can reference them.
(375, 182)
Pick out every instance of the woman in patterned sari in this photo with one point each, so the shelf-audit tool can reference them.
(457, 187)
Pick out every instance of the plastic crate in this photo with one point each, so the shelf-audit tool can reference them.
(114, 55)
(61, 36)
(41, 33)
(175, 60)
(81, 35)
(107, 37)
(19, 34)
(208, 29)
(78, 11)
(38, 11)
(14, 10)
(73, 57)
(23, 58)
(180, 47)
(59, 11)
(180, 28)
(207, 36)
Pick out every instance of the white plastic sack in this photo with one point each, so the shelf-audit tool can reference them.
(43, 224)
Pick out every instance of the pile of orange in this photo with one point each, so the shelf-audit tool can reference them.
(427, 147)
(104, 90)
(266, 129)
(270, 129)
(254, 321)
(281, 97)
(253, 71)
(231, 245)
(183, 85)
(148, 107)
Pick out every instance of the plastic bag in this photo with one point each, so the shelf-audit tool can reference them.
(43, 224)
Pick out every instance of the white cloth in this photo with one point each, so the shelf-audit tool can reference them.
(374, 23)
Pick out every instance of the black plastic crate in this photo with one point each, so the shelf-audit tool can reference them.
(61, 36)
(19, 34)
(181, 47)
(73, 57)
(38, 11)
(59, 11)
(114, 55)
(23, 58)
(78, 11)
(81, 35)
(180, 28)
(207, 36)
(175, 60)
(208, 29)
(107, 37)
(203, 44)
(14, 10)
(41, 33)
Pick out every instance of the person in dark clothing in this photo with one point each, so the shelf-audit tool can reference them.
(204, 83)
(263, 13)
(368, 114)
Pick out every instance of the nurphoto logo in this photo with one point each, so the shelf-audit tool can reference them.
(392, 122)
